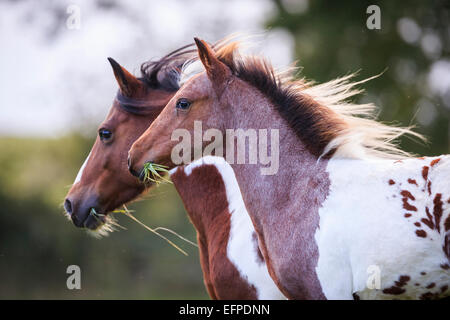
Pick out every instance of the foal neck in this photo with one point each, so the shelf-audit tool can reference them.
(204, 197)
(276, 203)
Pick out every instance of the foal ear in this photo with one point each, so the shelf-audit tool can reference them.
(128, 83)
(217, 71)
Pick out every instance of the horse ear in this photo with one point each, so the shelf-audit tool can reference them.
(128, 83)
(217, 71)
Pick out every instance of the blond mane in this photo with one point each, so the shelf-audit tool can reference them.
(364, 137)
(323, 112)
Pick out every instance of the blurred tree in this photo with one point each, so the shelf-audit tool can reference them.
(412, 47)
(37, 243)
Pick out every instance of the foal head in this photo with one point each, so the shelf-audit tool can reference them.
(245, 92)
(103, 182)
(199, 99)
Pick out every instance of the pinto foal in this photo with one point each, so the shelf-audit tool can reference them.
(104, 184)
(343, 218)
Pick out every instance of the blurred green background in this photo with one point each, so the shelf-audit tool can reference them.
(330, 39)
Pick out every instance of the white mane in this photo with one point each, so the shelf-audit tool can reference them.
(364, 136)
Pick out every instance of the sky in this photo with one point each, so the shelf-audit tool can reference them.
(55, 77)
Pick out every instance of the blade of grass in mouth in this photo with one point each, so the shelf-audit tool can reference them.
(111, 221)
(96, 215)
(152, 170)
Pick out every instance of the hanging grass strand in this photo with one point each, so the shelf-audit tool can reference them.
(128, 213)
(176, 234)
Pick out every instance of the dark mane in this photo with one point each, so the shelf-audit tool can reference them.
(136, 107)
(165, 72)
(313, 123)
(160, 74)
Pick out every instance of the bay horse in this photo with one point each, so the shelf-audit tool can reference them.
(104, 183)
(348, 215)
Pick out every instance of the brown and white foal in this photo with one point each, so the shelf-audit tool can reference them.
(343, 217)
(104, 184)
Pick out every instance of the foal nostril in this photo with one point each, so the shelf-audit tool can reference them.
(130, 168)
(68, 206)
(134, 173)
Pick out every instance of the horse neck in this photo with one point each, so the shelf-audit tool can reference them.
(204, 196)
(300, 173)
(291, 197)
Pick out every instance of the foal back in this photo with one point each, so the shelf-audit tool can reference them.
(390, 218)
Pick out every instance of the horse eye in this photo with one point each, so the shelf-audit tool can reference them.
(183, 104)
(104, 134)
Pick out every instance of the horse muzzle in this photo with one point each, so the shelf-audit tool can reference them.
(84, 214)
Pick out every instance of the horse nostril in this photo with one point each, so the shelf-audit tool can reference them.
(68, 206)
(130, 168)
(134, 173)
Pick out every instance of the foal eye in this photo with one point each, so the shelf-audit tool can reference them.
(104, 134)
(183, 104)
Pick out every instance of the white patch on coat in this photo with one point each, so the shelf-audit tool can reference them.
(363, 224)
(241, 249)
(80, 172)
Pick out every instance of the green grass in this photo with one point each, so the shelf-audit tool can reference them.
(152, 173)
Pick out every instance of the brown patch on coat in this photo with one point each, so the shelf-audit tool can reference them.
(394, 290)
(447, 224)
(204, 197)
(433, 222)
(429, 220)
(446, 246)
(406, 205)
(435, 161)
(407, 215)
(428, 223)
(429, 296)
(425, 170)
(431, 285)
(437, 211)
(391, 182)
(397, 288)
(402, 281)
(412, 181)
(421, 233)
